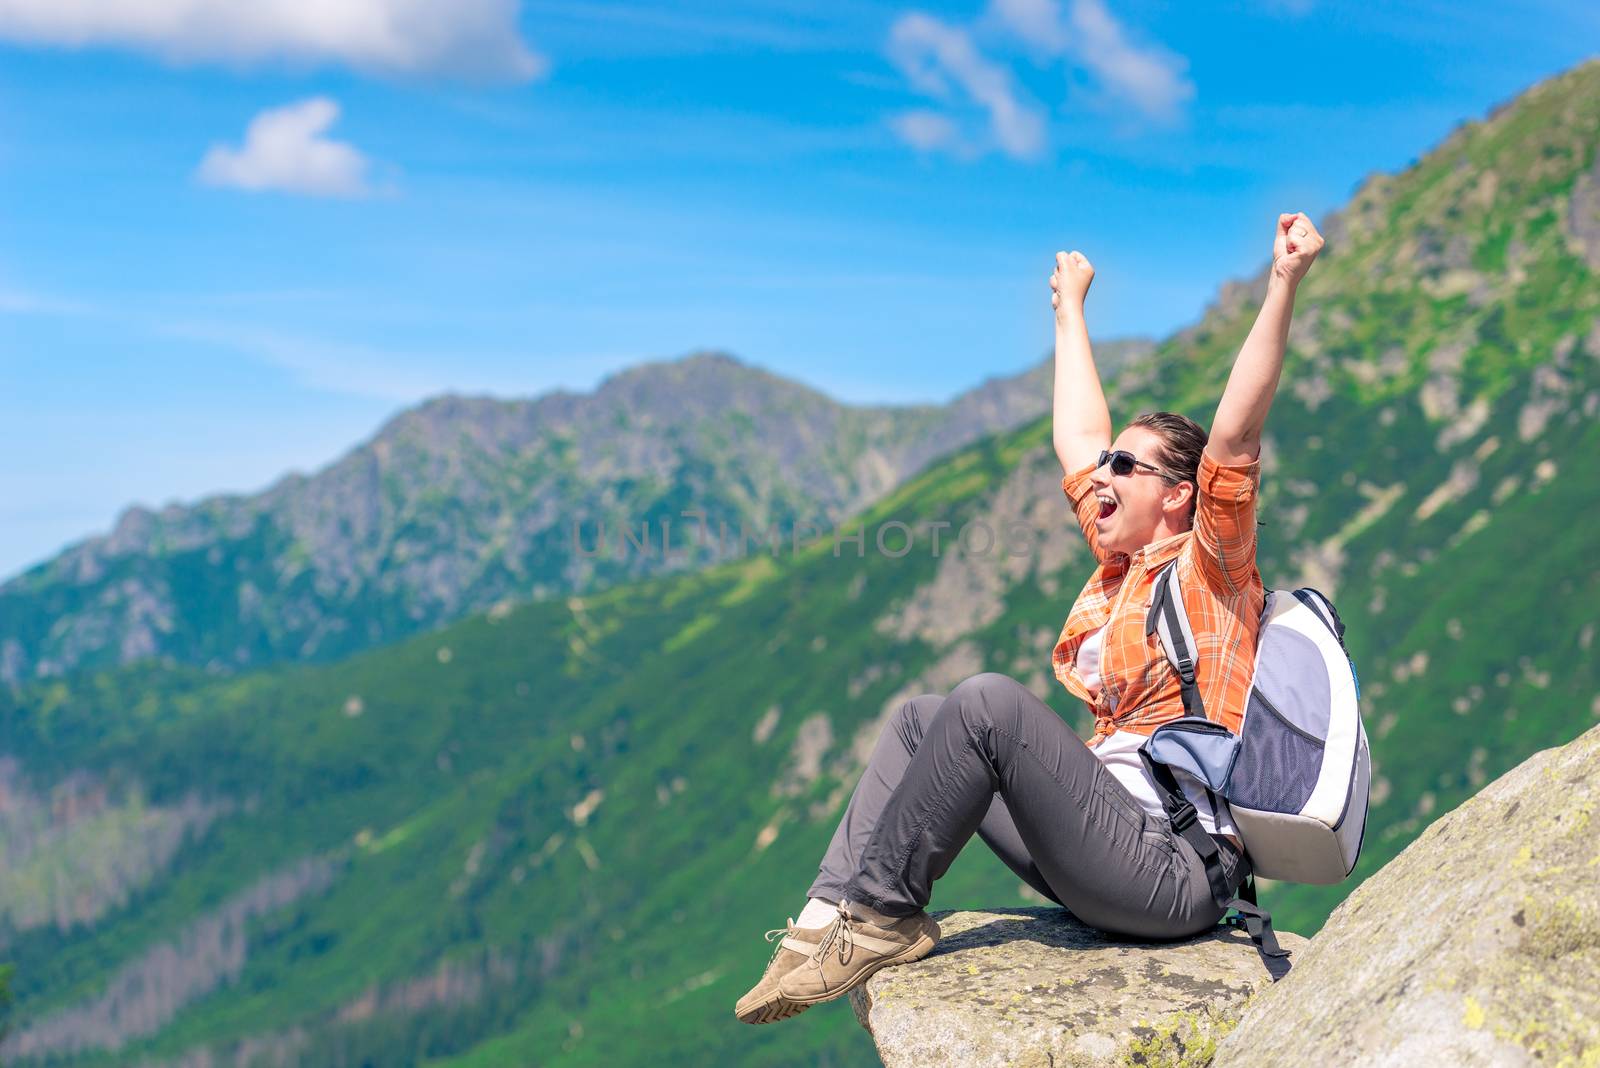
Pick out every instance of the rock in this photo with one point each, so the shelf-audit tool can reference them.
(1478, 945)
(1033, 986)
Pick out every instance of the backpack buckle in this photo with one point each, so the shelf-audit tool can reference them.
(1183, 817)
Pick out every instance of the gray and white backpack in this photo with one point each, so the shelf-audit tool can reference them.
(1296, 776)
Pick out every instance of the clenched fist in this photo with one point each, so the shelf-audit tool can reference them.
(1070, 282)
(1294, 247)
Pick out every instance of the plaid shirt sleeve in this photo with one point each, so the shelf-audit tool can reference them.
(1225, 524)
(1078, 490)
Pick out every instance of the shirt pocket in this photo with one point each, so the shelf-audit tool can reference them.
(1125, 647)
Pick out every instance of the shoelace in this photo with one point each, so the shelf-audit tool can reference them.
(839, 937)
(778, 932)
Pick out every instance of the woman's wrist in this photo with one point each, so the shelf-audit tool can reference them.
(1070, 314)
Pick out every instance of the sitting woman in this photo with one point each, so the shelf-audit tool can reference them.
(1083, 824)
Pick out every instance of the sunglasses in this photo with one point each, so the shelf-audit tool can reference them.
(1123, 462)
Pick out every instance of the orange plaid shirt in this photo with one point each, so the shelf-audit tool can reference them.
(1222, 592)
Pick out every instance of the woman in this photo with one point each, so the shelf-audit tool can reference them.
(1083, 824)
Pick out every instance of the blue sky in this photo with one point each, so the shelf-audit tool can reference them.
(234, 238)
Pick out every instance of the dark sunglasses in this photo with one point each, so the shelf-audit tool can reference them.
(1123, 462)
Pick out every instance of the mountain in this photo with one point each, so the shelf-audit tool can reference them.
(555, 832)
(466, 502)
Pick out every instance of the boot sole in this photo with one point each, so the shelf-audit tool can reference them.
(775, 1008)
(915, 952)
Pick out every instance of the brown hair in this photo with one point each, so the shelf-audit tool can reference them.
(1182, 442)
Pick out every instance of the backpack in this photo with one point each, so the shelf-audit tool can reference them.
(1297, 774)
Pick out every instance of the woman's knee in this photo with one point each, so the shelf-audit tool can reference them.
(910, 720)
(992, 697)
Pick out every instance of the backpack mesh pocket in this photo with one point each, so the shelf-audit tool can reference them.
(1278, 763)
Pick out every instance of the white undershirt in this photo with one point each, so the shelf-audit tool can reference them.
(1119, 752)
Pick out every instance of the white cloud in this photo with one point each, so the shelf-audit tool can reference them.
(393, 376)
(327, 366)
(1149, 77)
(27, 302)
(941, 60)
(475, 39)
(284, 149)
(1037, 22)
(926, 131)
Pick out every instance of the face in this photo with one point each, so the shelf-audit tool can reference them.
(1141, 507)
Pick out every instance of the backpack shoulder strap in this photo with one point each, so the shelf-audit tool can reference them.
(1256, 921)
(1170, 621)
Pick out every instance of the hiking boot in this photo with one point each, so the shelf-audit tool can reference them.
(855, 946)
(763, 1004)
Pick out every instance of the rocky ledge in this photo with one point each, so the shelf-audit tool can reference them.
(1479, 945)
(1034, 986)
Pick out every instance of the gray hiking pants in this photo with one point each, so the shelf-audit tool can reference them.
(994, 759)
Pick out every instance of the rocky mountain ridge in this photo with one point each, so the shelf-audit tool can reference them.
(465, 502)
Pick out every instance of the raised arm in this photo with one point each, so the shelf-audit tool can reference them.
(1236, 431)
(1082, 423)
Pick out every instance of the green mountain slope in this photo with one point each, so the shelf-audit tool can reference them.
(556, 832)
(466, 502)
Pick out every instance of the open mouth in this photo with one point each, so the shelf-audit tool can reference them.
(1107, 506)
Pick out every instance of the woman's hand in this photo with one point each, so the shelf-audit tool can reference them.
(1070, 282)
(1295, 246)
